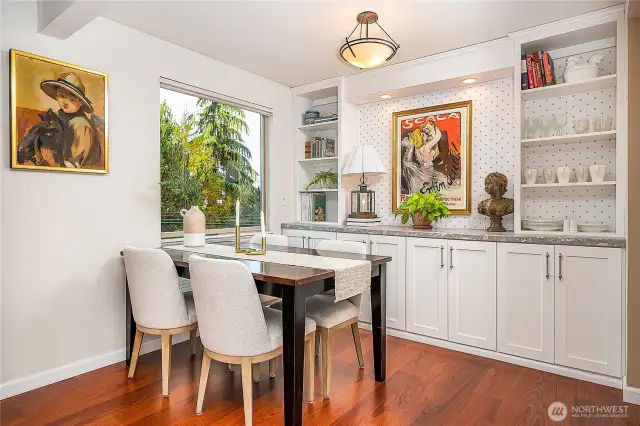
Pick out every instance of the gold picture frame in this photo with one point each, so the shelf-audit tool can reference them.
(73, 139)
(409, 127)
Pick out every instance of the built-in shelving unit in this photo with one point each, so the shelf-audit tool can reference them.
(316, 127)
(602, 32)
(318, 160)
(320, 190)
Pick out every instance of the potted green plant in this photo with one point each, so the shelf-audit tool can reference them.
(324, 179)
(423, 209)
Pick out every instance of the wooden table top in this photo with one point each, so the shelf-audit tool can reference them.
(282, 274)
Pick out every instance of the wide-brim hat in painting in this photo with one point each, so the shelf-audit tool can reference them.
(68, 81)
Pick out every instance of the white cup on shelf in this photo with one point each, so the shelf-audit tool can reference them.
(573, 225)
(549, 175)
(564, 174)
(530, 176)
(582, 173)
(597, 172)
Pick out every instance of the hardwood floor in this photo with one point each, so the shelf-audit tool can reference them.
(425, 385)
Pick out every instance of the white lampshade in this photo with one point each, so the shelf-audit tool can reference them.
(364, 159)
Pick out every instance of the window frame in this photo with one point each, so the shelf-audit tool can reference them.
(266, 115)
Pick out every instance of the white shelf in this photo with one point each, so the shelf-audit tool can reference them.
(319, 190)
(318, 160)
(316, 127)
(565, 89)
(567, 185)
(579, 137)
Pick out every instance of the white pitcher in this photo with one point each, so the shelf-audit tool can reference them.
(194, 226)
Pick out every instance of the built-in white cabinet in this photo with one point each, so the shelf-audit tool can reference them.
(358, 238)
(426, 294)
(472, 293)
(588, 309)
(307, 239)
(525, 299)
(395, 247)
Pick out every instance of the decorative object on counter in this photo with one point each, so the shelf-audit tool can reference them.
(581, 125)
(368, 52)
(530, 176)
(324, 180)
(564, 174)
(576, 71)
(313, 207)
(573, 226)
(549, 175)
(544, 225)
(194, 225)
(592, 227)
(432, 153)
(582, 174)
(597, 173)
(364, 222)
(58, 115)
(566, 225)
(364, 159)
(423, 209)
(495, 184)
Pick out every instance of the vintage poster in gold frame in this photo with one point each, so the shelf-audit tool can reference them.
(432, 152)
(59, 116)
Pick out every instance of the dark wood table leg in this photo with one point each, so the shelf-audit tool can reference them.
(379, 323)
(293, 313)
(130, 323)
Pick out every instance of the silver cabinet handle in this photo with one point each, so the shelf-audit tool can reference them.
(364, 242)
(451, 257)
(547, 266)
(442, 256)
(560, 266)
(303, 241)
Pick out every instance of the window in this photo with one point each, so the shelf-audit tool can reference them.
(210, 155)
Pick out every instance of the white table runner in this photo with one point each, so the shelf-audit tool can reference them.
(352, 276)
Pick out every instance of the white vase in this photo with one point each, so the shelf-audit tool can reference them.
(564, 174)
(530, 176)
(194, 226)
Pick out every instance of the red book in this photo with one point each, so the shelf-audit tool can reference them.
(532, 81)
(536, 70)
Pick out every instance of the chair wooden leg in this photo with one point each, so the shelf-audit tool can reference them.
(247, 391)
(356, 340)
(326, 360)
(166, 361)
(309, 349)
(204, 376)
(255, 371)
(193, 340)
(272, 367)
(135, 353)
(317, 344)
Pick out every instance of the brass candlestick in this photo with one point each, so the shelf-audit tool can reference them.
(238, 249)
(263, 250)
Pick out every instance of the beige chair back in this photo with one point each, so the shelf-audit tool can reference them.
(345, 247)
(272, 239)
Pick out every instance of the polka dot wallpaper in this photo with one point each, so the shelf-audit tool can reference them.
(493, 143)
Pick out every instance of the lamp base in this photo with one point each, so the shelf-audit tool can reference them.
(363, 216)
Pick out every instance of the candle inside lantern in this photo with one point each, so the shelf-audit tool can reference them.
(264, 234)
(238, 212)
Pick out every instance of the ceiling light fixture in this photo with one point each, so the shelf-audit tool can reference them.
(365, 51)
(385, 96)
(469, 80)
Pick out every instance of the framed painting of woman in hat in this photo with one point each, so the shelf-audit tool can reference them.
(58, 116)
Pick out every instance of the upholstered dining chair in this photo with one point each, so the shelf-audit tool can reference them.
(159, 306)
(235, 328)
(331, 316)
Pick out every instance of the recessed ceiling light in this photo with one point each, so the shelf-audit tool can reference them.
(469, 80)
(385, 96)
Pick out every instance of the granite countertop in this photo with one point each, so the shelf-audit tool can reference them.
(467, 234)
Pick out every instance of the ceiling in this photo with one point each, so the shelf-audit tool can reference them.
(295, 42)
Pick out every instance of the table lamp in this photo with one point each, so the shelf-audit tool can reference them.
(364, 159)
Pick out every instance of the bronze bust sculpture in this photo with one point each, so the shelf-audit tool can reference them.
(495, 184)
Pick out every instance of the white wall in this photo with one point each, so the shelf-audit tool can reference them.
(493, 145)
(63, 294)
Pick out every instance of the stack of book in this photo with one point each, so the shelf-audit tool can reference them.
(536, 70)
(351, 221)
(313, 207)
(319, 147)
(323, 118)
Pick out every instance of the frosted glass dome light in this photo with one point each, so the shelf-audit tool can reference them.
(366, 51)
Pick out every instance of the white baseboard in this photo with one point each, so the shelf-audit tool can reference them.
(600, 379)
(53, 375)
(629, 394)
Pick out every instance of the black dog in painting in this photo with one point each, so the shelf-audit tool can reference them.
(44, 143)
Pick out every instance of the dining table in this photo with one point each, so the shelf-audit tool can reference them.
(293, 284)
